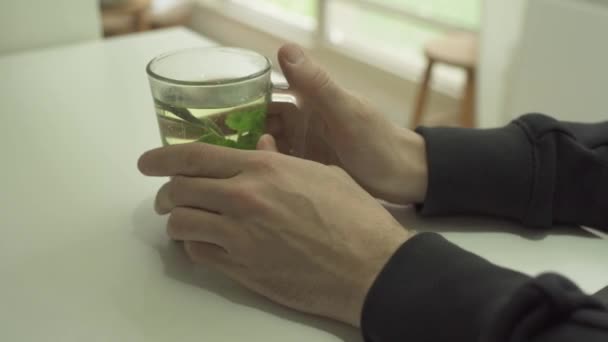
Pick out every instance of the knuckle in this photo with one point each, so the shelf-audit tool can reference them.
(176, 224)
(338, 170)
(321, 80)
(264, 162)
(340, 173)
(176, 189)
(248, 196)
(191, 250)
(244, 192)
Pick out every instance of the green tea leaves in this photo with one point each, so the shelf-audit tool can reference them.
(215, 139)
(239, 127)
(247, 120)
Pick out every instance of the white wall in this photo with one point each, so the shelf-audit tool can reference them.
(562, 68)
(390, 93)
(546, 56)
(26, 24)
(501, 29)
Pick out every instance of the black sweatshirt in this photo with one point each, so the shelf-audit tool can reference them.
(537, 171)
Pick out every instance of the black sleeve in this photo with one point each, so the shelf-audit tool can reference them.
(433, 291)
(536, 170)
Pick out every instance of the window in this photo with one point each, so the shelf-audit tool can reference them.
(357, 28)
(463, 13)
(302, 13)
(305, 8)
(380, 32)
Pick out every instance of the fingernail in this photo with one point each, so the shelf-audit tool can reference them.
(293, 54)
(263, 142)
(141, 165)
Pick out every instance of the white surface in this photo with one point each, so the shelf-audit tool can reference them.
(27, 24)
(84, 258)
(561, 67)
(570, 251)
(82, 255)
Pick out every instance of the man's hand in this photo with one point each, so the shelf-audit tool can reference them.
(333, 127)
(298, 232)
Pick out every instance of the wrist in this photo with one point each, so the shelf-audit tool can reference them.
(409, 178)
(368, 271)
(419, 168)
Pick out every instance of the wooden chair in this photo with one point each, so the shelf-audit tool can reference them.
(125, 17)
(140, 15)
(455, 49)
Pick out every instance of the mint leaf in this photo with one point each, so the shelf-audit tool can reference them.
(247, 123)
(215, 139)
(248, 141)
(247, 120)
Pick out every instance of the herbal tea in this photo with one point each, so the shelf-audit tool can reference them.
(240, 126)
(213, 95)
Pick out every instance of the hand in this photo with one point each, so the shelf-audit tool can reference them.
(298, 232)
(333, 127)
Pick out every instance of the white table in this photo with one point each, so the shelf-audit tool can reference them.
(84, 258)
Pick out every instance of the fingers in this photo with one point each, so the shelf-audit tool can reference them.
(204, 193)
(212, 255)
(267, 143)
(309, 80)
(187, 224)
(195, 159)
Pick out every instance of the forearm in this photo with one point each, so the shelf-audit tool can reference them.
(431, 290)
(536, 170)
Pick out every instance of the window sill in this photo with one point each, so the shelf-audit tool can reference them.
(408, 66)
(283, 28)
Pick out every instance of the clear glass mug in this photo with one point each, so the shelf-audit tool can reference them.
(216, 95)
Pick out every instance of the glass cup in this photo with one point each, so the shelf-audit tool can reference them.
(216, 95)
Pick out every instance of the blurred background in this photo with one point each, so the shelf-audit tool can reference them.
(436, 62)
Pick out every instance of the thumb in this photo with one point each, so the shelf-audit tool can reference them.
(310, 81)
(267, 143)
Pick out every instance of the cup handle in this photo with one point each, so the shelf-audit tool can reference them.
(282, 94)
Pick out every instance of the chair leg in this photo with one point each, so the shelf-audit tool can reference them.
(467, 114)
(141, 21)
(422, 95)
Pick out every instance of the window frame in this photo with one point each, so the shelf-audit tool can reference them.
(373, 5)
(288, 27)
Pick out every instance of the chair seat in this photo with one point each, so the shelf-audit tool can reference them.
(458, 49)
